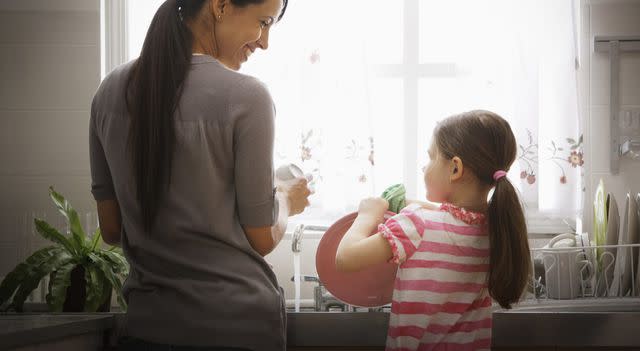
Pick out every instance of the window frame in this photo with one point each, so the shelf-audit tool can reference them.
(114, 51)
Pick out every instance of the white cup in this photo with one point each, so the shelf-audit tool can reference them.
(566, 268)
(288, 172)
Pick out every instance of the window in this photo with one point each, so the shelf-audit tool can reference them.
(360, 84)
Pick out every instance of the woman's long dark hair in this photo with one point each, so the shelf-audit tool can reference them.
(485, 143)
(154, 88)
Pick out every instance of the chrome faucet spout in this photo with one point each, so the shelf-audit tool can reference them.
(296, 239)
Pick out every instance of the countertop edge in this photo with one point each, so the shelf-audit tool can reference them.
(55, 331)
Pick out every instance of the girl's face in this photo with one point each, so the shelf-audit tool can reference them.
(437, 176)
(241, 30)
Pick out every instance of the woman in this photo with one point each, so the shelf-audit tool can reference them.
(181, 163)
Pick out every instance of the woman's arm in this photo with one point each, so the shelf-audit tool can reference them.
(110, 221)
(265, 239)
(292, 199)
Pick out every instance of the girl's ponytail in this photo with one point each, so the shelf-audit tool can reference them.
(509, 263)
(485, 143)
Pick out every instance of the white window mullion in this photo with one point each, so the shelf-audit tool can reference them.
(115, 37)
(411, 76)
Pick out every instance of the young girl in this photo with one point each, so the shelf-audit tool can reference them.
(455, 258)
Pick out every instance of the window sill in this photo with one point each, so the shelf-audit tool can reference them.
(539, 225)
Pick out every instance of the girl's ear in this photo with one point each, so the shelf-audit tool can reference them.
(456, 169)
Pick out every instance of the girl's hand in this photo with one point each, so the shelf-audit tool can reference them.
(373, 208)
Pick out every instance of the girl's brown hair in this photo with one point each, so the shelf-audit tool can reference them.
(485, 144)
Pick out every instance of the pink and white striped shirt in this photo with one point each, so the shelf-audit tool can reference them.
(440, 298)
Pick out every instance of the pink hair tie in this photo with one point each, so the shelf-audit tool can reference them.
(498, 175)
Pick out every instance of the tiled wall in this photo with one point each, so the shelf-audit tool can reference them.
(610, 17)
(49, 70)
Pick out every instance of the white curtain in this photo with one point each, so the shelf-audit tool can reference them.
(318, 71)
(344, 124)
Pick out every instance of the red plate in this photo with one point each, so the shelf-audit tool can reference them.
(370, 287)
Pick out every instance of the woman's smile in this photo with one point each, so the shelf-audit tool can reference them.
(247, 52)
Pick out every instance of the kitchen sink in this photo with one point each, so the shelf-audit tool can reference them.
(343, 329)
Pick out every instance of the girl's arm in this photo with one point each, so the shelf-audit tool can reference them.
(358, 248)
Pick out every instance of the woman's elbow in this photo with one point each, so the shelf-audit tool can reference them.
(111, 238)
(263, 250)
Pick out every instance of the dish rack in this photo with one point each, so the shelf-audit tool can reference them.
(585, 272)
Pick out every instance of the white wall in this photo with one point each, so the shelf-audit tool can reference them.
(607, 17)
(49, 70)
(282, 260)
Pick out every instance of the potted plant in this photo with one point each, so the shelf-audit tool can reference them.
(82, 273)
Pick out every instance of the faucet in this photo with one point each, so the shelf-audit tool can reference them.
(296, 238)
(323, 300)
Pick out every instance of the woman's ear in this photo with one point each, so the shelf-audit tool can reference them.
(218, 8)
(457, 168)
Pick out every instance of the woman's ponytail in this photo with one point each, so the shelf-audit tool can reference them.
(153, 91)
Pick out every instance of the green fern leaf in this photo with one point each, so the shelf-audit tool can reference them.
(118, 262)
(35, 274)
(95, 288)
(112, 278)
(59, 286)
(50, 233)
(70, 213)
(97, 239)
(13, 280)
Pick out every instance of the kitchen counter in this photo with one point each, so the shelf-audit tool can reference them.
(346, 329)
(54, 331)
(598, 324)
(553, 325)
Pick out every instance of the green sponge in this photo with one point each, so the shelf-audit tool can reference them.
(395, 195)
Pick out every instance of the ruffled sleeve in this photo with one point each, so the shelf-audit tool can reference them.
(404, 233)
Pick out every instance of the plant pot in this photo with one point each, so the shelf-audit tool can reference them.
(77, 293)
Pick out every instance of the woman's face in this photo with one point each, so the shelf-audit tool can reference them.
(240, 31)
(437, 176)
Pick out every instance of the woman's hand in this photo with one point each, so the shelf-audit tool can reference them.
(296, 192)
(373, 208)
